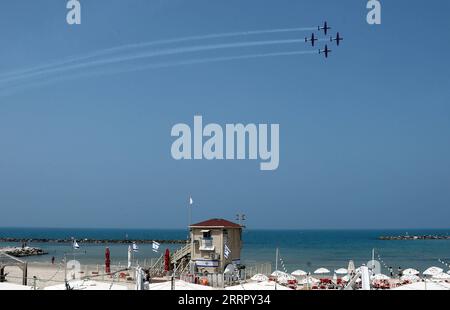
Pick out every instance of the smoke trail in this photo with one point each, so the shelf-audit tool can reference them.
(167, 52)
(127, 47)
(158, 66)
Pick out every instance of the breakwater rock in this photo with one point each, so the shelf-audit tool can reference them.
(423, 237)
(23, 252)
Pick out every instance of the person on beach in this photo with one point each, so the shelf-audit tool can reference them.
(391, 271)
(53, 260)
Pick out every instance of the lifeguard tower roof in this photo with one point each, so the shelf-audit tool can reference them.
(216, 223)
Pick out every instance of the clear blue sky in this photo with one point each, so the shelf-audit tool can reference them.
(365, 136)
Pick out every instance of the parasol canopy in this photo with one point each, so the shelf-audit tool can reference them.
(259, 277)
(410, 272)
(322, 271)
(299, 273)
(341, 271)
(432, 271)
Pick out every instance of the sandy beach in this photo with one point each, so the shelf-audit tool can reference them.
(48, 275)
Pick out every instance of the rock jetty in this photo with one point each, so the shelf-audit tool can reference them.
(23, 251)
(422, 237)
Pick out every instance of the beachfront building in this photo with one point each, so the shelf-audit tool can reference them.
(215, 244)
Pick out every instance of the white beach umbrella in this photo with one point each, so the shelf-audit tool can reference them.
(410, 278)
(441, 276)
(322, 271)
(278, 273)
(258, 286)
(379, 277)
(284, 279)
(432, 271)
(410, 272)
(309, 280)
(259, 277)
(299, 273)
(341, 271)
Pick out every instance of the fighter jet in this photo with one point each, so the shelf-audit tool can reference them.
(338, 39)
(325, 51)
(325, 28)
(312, 40)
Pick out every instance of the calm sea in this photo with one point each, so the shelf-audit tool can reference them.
(299, 249)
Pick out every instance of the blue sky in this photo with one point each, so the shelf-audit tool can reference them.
(364, 136)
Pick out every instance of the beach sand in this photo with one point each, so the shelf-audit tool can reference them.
(47, 275)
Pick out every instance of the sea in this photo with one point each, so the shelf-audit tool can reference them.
(298, 249)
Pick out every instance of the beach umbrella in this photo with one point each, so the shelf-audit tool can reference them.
(410, 272)
(379, 277)
(410, 278)
(299, 273)
(432, 271)
(259, 277)
(107, 261)
(278, 273)
(341, 271)
(322, 271)
(284, 279)
(441, 276)
(309, 280)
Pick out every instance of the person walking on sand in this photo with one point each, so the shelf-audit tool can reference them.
(53, 260)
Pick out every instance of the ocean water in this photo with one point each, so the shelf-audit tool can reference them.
(299, 249)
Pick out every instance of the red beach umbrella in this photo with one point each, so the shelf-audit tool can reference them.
(107, 261)
(167, 260)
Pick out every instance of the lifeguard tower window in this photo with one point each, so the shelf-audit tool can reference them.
(206, 234)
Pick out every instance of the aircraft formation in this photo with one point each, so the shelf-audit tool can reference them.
(313, 39)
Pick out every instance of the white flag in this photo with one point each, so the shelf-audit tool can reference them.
(191, 201)
(226, 251)
(155, 246)
(75, 245)
(135, 247)
(129, 257)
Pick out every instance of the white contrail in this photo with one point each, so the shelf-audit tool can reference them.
(158, 66)
(132, 46)
(166, 52)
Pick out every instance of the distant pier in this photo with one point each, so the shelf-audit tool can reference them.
(412, 237)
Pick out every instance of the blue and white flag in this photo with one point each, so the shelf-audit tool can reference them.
(226, 251)
(135, 247)
(155, 246)
(75, 245)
